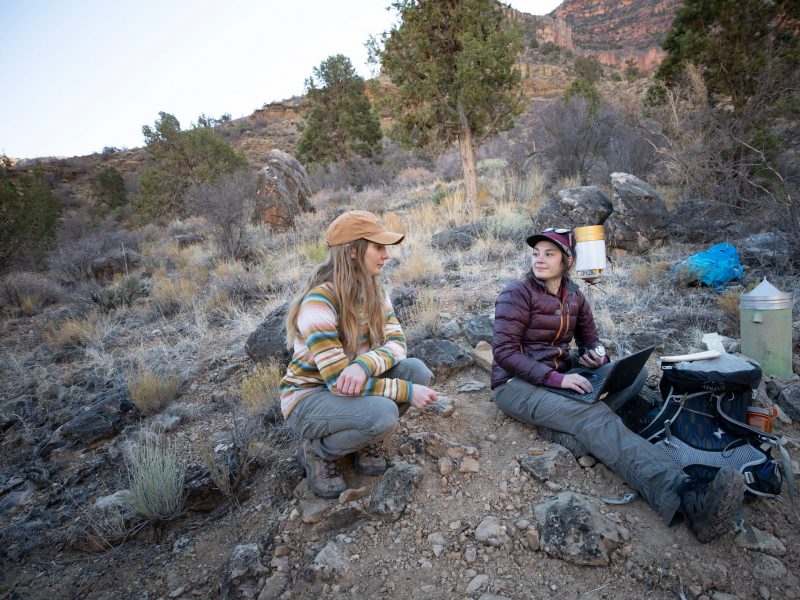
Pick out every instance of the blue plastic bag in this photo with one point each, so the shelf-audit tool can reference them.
(715, 267)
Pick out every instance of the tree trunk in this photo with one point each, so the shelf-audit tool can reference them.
(469, 171)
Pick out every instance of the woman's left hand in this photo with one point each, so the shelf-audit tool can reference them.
(592, 360)
(351, 381)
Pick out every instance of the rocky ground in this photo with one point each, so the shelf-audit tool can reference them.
(474, 505)
(455, 517)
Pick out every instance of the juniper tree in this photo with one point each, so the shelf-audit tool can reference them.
(453, 64)
(339, 121)
(179, 160)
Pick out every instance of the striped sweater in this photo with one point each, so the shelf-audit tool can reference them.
(319, 357)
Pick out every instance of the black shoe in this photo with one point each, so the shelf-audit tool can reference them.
(709, 507)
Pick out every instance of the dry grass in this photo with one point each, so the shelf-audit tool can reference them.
(418, 266)
(646, 273)
(260, 388)
(729, 304)
(422, 318)
(315, 251)
(77, 332)
(174, 295)
(150, 391)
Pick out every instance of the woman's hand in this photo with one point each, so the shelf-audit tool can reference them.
(592, 360)
(573, 381)
(351, 381)
(423, 397)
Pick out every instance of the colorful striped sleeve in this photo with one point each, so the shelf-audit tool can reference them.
(316, 324)
(379, 360)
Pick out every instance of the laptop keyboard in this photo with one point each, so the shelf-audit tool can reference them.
(589, 397)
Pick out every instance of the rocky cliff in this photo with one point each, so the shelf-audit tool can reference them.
(616, 30)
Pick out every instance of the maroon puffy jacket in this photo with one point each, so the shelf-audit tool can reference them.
(533, 329)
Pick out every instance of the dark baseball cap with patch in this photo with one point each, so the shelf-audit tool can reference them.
(562, 238)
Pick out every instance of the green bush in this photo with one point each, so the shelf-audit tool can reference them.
(156, 473)
(108, 187)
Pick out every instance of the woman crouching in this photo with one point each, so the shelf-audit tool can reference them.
(349, 379)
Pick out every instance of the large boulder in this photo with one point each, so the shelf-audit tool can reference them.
(269, 338)
(458, 238)
(443, 357)
(700, 221)
(115, 261)
(640, 219)
(283, 189)
(576, 207)
(395, 490)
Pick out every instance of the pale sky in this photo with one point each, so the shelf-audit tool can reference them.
(79, 75)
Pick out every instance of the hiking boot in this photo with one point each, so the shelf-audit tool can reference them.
(322, 475)
(710, 506)
(368, 461)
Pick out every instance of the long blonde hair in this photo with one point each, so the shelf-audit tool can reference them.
(357, 296)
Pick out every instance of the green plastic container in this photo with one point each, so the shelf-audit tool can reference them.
(765, 317)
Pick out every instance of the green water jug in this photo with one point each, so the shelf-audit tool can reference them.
(765, 317)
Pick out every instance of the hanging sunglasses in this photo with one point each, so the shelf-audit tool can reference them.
(555, 230)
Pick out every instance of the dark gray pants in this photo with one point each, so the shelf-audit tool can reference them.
(340, 425)
(603, 434)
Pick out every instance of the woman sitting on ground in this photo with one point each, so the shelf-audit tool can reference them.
(349, 378)
(536, 318)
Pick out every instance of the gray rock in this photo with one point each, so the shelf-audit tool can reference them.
(312, 511)
(572, 528)
(789, 401)
(188, 239)
(477, 584)
(342, 518)
(443, 407)
(764, 542)
(395, 490)
(766, 249)
(283, 189)
(331, 565)
(274, 586)
(449, 330)
(553, 464)
(576, 207)
(115, 261)
(121, 501)
(403, 300)
(480, 328)
(243, 572)
(767, 568)
(492, 597)
(490, 532)
(701, 221)
(458, 238)
(269, 338)
(471, 386)
(640, 219)
(443, 357)
(438, 446)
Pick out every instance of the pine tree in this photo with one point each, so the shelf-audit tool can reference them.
(339, 122)
(453, 63)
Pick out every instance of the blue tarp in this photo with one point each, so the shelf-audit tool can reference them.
(715, 267)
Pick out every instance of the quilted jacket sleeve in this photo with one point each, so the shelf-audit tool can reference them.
(512, 318)
(585, 331)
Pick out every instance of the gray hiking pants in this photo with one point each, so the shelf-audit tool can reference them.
(340, 425)
(603, 434)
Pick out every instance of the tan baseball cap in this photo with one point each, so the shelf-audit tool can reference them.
(358, 224)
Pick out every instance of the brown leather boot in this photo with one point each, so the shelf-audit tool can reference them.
(323, 476)
(368, 461)
(710, 506)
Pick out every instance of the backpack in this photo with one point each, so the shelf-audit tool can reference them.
(702, 424)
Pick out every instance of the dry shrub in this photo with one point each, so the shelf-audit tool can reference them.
(174, 295)
(422, 318)
(72, 262)
(156, 474)
(371, 199)
(260, 388)
(414, 177)
(151, 391)
(28, 291)
(315, 251)
(393, 222)
(729, 303)
(71, 333)
(419, 266)
(240, 283)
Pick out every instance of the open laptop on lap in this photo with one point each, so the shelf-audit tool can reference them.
(623, 372)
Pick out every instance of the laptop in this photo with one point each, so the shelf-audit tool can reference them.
(623, 372)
